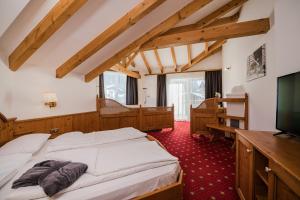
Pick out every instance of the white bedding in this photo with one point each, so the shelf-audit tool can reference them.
(75, 140)
(118, 179)
(10, 164)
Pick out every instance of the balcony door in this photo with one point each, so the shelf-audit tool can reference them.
(183, 90)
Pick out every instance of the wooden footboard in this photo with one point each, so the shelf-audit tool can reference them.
(169, 192)
(173, 191)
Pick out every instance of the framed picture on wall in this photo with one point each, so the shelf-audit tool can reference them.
(256, 64)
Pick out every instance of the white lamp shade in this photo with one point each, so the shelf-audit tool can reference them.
(50, 97)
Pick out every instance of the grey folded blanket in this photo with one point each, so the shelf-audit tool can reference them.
(53, 176)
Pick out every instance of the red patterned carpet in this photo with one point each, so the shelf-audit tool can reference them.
(209, 171)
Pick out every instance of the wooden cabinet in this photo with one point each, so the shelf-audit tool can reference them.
(244, 161)
(267, 166)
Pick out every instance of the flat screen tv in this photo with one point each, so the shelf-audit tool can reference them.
(288, 104)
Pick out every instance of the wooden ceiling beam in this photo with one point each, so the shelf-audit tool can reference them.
(180, 72)
(125, 22)
(121, 69)
(123, 62)
(212, 19)
(189, 50)
(166, 25)
(212, 49)
(206, 47)
(131, 58)
(146, 62)
(225, 20)
(226, 31)
(133, 63)
(55, 18)
(161, 67)
(174, 58)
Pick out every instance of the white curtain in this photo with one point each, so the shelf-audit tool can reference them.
(183, 90)
(115, 86)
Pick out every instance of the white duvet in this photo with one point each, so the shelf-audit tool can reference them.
(104, 164)
(75, 140)
(9, 165)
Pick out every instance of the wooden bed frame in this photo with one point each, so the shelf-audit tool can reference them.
(114, 115)
(8, 132)
(205, 113)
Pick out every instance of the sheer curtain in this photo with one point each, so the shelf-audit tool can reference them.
(183, 90)
(115, 86)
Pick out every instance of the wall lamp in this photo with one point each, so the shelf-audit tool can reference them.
(50, 99)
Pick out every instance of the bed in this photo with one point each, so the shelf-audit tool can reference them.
(159, 182)
(114, 115)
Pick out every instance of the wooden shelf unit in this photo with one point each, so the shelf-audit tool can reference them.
(209, 116)
(222, 116)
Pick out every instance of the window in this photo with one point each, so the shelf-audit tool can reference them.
(183, 91)
(115, 86)
(197, 91)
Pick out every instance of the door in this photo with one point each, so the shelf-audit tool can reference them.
(184, 91)
(244, 168)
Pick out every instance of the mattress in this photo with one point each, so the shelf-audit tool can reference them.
(123, 188)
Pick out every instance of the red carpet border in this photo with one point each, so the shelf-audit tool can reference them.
(209, 167)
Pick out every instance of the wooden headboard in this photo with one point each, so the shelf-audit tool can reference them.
(55, 125)
(114, 115)
(6, 129)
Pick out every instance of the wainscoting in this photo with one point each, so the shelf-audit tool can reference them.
(109, 115)
(84, 122)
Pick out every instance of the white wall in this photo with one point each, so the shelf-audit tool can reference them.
(150, 82)
(21, 93)
(282, 43)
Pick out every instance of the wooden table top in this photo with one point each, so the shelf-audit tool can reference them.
(283, 150)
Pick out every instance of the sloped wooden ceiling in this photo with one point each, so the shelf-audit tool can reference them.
(90, 37)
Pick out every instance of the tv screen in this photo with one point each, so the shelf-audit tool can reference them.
(288, 104)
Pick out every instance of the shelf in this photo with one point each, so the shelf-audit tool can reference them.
(230, 117)
(235, 100)
(261, 197)
(222, 128)
(261, 192)
(263, 176)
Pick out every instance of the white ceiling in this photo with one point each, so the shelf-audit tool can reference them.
(93, 18)
(9, 10)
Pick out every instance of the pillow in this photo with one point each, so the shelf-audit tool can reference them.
(67, 138)
(25, 144)
(9, 165)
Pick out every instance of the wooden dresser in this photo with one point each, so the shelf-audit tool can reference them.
(267, 166)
